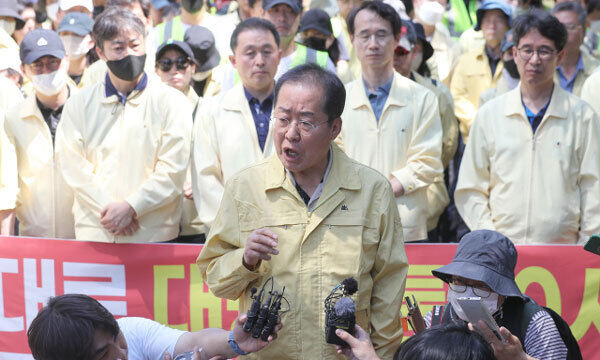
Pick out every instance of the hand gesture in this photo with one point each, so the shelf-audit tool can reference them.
(259, 246)
(360, 348)
(187, 190)
(509, 350)
(116, 217)
(245, 340)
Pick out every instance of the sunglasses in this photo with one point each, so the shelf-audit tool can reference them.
(167, 64)
(400, 51)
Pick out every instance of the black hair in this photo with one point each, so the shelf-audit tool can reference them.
(592, 5)
(112, 22)
(449, 342)
(573, 7)
(146, 5)
(64, 329)
(542, 21)
(314, 75)
(408, 6)
(382, 9)
(252, 24)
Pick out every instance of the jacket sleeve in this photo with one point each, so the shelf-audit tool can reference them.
(207, 176)
(220, 260)
(464, 109)
(589, 181)
(423, 158)
(389, 280)
(9, 182)
(77, 170)
(472, 190)
(449, 126)
(165, 183)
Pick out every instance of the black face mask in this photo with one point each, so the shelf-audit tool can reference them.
(192, 6)
(511, 67)
(315, 43)
(128, 68)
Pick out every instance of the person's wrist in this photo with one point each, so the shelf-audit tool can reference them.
(234, 345)
(248, 266)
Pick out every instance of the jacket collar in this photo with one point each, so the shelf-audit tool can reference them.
(558, 108)
(31, 109)
(589, 64)
(237, 101)
(397, 96)
(343, 174)
(110, 94)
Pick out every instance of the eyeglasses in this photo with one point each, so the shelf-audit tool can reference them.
(39, 66)
(305, 127)
(400, 51)
(380, 36)
(167, 64)
(460, 287)
(572, 27)
(543, 53)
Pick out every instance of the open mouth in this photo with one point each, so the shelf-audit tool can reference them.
(291, 153)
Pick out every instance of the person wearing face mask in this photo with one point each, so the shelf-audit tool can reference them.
(125, 142)
(194, 13)
(39, 196)
(591, 42)
(479, 69)
(484, 266)
(409, 46)
(208, 76)
(9, 21)
(75, 31)
(316, 33)
(446, 51)
(509, 79)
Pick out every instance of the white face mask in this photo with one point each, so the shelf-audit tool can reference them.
(51, 11)
(416, 61)
(8, 25)
(75, 46)
(430, 12)
(595, 26)
(50, 84)
(490, 302)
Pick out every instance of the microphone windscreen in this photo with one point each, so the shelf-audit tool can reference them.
(344, 307)
(350, 285)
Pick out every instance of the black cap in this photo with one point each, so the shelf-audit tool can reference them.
(10, 8)
(427, 49)
(202, 43)
(316, 19)
(296, 5)
(77, 23)
(41, 42)
(174, 44)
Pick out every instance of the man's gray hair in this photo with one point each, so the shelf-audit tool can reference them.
(112, 22)
(574, 7)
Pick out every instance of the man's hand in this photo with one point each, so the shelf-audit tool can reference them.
(259, 246)
(187, 190)
(116, 217)
(397, 188)
(245, 340)
(129, 229)
(361, 347)
(509, 350)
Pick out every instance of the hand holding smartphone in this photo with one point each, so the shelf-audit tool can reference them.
(475, 311)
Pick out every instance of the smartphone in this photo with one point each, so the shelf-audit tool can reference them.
(475, 310)
(593, 244)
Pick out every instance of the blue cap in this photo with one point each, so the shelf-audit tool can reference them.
(507, 42)
(493, 5)
(41, 42)
(159, 4)
(77, 23)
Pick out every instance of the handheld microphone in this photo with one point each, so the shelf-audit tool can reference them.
(253, 312)
(272, 317)
(262, 318)
(340, 310)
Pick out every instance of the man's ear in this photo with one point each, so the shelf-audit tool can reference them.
(336, 128)
(232, 60)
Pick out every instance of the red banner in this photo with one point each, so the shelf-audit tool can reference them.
(162, 282)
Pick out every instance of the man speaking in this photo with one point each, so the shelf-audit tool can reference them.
(310, 217)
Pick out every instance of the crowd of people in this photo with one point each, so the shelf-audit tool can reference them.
(305, 144)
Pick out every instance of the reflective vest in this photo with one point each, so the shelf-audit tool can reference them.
(463, 19)
(171, 30)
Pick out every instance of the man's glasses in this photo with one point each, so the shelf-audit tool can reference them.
(167, 64)
(400, 51)
(544, 53)
(39, 66)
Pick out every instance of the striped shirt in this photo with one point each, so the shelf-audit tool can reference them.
(542, 339)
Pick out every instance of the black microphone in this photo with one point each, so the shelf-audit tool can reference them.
(340, 311)
(262, 318)
(253, 312)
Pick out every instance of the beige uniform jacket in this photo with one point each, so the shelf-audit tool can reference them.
(445, 55)
(42, 200)
(540, 187)
(406, 142)
(437, 194)
(225, 142)
(96, 72)
(137, 152)
(589, 65)
(500, 88)
(354, 230)
(472, 76)
(590, 91)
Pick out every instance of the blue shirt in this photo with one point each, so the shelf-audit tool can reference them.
(109, 88)
(535, 119)
(568, 84)
(378, 97)
(261, 112)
